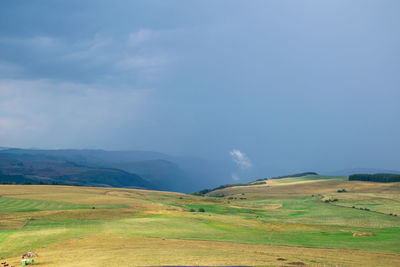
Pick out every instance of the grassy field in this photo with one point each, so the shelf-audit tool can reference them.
(310, 178)
(282, 223)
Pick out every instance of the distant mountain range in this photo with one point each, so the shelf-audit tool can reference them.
(137, 169)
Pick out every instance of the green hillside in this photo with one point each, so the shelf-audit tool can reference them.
(300, 216)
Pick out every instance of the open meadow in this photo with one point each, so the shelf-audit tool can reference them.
(285, 222)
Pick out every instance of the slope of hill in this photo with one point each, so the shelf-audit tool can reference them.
(297, 187)
(273, 224)
(307, 176)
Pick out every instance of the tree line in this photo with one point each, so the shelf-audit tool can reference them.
(377, 177)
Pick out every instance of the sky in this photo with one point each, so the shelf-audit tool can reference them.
(274, 86)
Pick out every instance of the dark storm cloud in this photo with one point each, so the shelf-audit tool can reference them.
(296, 85)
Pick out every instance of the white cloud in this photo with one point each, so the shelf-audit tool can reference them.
(50, 113)
(146, 37)
(96, 49)
(141, 36)
(36, 41)
(43, 41)
(8, 69)
(8, 124)
(140, 62)
(101, 56)
(241, 159)
(235, 177)
(80, 89)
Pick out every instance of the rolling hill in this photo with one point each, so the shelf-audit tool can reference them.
(294, 221)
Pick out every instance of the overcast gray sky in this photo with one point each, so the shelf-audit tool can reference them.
(284, 85)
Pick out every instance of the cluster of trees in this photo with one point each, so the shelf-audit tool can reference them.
(378, 177)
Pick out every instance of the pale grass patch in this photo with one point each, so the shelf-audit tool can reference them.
(119, 250)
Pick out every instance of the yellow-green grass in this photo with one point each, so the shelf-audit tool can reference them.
(313, 210)
(383, 203)
(282, 217)
(274, 189)
(309, 178)
(25, 205)
(122, 250)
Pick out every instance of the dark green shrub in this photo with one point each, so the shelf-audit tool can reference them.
(201, 210)
(217, 195)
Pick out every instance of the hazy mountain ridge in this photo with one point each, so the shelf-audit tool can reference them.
(44, 168)
(144, 169)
